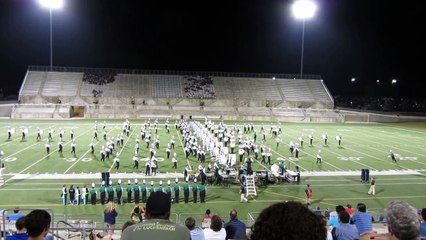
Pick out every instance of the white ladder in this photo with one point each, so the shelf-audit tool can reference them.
(250, 186)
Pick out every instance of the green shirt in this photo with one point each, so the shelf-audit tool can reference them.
(151, 189)
(186, 186)
(110, 189)
(177, 187)
(144, 188)
(168, 189)
(136, 188)
(202, 188)
(194, 187)
(102, 189)
(158, 229)
(92, 191)
(118, 188)
(129, 188)
(160, 189)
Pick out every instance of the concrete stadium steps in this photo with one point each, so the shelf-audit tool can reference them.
(318, 91)
(167, 86)
(62, 83)
(32, 83)
(246, 88)
(34, 111)
(296, 90)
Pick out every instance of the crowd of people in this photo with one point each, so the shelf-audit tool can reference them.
(387, 104)
(98, 78)
(282, 220)
(199, 87)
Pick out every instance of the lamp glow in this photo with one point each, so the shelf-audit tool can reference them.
(304, 9)
(52, 4)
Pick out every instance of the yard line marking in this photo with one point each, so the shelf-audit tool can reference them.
(313, 157)
(183, 148)
(122, 148)
(46, 156)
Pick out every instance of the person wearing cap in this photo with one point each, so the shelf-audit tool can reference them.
(194, 190)
(160, 188)
(144, 191)
(136, 191)
(129, 192)
(102, 191)
(177, 190)
(157, 224)
(152, 188)
(186, 190)
(93, 194)
(119, 192)
(169, 189)
(203, 190)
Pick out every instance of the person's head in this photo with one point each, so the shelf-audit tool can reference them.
(423, 213)
(208, 212)
(344, 217)
(136, 209)
(216, 223)
(20, 224)
(233, 214)
(126, 225)
(361, 207)
(402, 220)
(158, 206)
(190, 223)
(16, 210)
(37, 223)
(109, 207)
(349, 206)
(308, 185)
(340, 208)
(283, 221)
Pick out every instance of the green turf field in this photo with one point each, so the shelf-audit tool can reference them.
(363, 146)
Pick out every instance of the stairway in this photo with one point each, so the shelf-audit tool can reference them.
(250, 186)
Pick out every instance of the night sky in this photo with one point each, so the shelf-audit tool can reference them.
(364, 39)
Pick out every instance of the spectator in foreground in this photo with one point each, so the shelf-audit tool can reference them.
(37, 224)
(402, 221)
(362, 220)
(216, 231)
(21, 232)
(196, 232)
(15, 216)
(157, 224)
(109, 217)
(206, 220)
(345, 231)
(288, 220)
(235, 229)
(423, 223)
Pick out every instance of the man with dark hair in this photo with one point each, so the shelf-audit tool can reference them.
(288, 220)
(37, 224)
(196, 232)
(345, 231)
(157, 224)
(235, 229)
(21, 233)
(362, 220)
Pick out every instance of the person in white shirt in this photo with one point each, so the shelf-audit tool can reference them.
(216, 230)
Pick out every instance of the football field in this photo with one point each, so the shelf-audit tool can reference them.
(33, 178)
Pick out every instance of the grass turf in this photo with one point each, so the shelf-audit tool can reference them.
(363, 146)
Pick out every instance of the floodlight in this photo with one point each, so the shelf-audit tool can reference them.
(353, 80)
(377, 80)
(273, 78)
(394, 81)
(52, 4)
(304, 9)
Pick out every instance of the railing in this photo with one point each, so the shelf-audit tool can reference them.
(174, 72)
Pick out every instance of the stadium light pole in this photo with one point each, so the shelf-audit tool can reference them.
(51, 4)
(303, 10)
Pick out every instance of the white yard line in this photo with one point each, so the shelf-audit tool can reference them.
(122, 147)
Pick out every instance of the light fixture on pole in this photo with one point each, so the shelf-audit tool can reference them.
(51, 4)
(303, 9)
